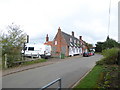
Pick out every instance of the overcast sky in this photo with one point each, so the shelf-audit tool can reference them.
(87, 18)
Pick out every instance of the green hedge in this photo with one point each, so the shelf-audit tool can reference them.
(110, 56)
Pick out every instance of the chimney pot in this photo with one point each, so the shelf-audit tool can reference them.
(80, 37)
(47, 38)
(59, 29)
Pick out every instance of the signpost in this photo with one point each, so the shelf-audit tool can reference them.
(27, 41)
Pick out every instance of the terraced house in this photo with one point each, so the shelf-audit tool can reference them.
(66, 44)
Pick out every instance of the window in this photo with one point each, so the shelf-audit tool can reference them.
(70, 39)
(55, 42)
(30, 48)
(74, 41)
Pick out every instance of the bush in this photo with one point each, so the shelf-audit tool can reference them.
(118, 58)
(11, 58)
(110, 55)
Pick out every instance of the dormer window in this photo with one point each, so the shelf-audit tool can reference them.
(71, 44)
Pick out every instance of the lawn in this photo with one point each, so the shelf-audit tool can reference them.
(90, 81)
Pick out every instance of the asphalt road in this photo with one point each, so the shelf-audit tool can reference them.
(70, 71)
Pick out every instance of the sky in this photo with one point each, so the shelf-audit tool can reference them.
(87, 18)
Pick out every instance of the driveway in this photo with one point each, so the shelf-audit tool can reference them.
(70, 71)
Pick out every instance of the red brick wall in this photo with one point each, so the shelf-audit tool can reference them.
(61, 43)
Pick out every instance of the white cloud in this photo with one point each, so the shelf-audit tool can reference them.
(41, 17)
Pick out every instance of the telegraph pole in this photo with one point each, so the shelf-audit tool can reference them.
(109, 18)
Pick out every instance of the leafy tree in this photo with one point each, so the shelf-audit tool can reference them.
(108, 44)
(12, 43)
(98, 47)
(89, 46)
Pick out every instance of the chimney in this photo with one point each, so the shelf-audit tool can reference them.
(59, 30)
(72, 33)
(80, 37)
(47, 38)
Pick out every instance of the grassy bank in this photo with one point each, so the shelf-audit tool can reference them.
(90, 80)
(102, 77)
(34, 62)
(26, 63)
(106, 74)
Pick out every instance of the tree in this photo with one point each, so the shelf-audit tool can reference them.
(98, 47)
(108, 44)
(12, 43)
(90, 46)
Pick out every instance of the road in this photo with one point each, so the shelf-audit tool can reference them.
(70, 71)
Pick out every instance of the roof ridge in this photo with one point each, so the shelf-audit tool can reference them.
(70, 35)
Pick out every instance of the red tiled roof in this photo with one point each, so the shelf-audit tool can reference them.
(48, 43)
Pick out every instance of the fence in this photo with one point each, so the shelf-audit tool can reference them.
(53, 82)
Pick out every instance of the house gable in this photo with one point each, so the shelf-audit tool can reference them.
(59, 44)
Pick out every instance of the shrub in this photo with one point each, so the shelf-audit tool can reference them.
(118, 58)
(110, 55)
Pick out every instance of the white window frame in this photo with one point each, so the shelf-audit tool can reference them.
(55, 42)
(70, 39)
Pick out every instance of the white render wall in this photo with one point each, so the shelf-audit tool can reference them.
(74, 51)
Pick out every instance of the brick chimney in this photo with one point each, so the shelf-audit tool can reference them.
(72, 33)
(47, 38)
(59, 30)
(80, 37)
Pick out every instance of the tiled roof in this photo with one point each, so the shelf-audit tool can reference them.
(67, 39)
(48, 43)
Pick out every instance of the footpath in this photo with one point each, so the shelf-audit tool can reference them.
(32, 66)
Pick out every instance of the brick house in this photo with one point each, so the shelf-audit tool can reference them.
(48, 42)
(66, 44)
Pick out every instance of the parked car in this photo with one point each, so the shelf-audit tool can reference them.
(38, 50)
(93, 53)
(86, 54)
(90, 53)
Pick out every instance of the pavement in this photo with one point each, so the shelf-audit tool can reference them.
(32, 66)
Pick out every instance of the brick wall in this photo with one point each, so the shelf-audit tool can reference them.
(59, 45)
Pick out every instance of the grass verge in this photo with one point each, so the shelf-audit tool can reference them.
(90, 81)
(34, 62)
(26, 63)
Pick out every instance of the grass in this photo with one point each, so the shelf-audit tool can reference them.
(34, 62)
(27, 63)
(98, 53)
(90, 81)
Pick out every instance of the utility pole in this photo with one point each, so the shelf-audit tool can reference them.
(109, 17)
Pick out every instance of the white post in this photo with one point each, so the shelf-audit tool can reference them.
(5, 60)
(31, 56)
(39, 56)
